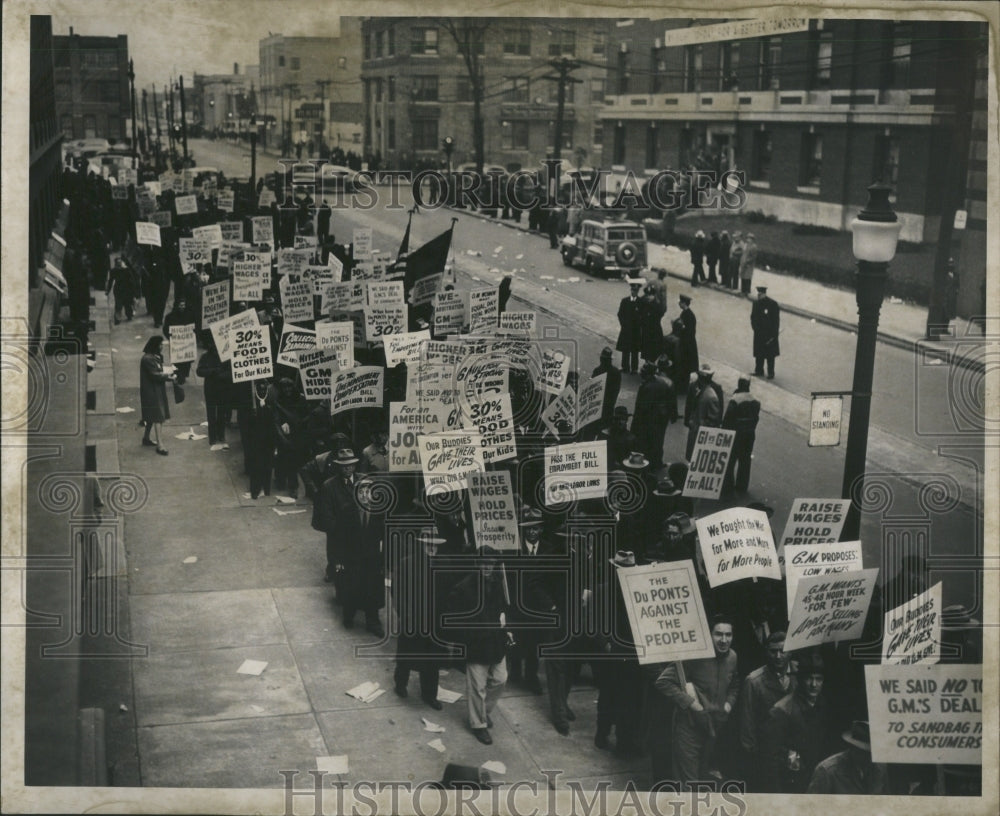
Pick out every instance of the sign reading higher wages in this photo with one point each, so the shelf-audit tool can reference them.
(665, 612)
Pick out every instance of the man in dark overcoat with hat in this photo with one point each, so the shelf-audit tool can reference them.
(765, 320)
(630, 321)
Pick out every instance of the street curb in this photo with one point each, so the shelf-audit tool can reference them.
(889, 339)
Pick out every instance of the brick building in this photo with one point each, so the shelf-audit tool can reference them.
(92, 87)
(417, 89)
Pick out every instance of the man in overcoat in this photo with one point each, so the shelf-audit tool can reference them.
(630, 321)
(765, 320)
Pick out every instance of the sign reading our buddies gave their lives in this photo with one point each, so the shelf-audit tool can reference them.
(483, 309)
(262, 230)
(148, 233)
(186, 205)
(830, 608)
(577, 471)
(665, 612)
(447, 458)
(293, 340)
(709, 460)
(912, 631)
(519, 322)
(221, 330)
(404, 347)
(494, 516)
(251, 353)
(358, 387)
(183, 348)
(449, 312)
(927, 715)
(296, 301)
(214, 302)
(316, 368)
(736, 544)
(819, 559)
(494, 419)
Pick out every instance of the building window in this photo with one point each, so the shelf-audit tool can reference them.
(64, 92)
(114, 128)
(600, 47)
(623, 74)
(760, 167)
(107, 91)
(597, 89)
(554, 92)
(598, 134)
(379, 44)
(66, 123)
(378, 89)
(618, 154)
(651, 146)
(693, 56)
(391, 135)
(89, 126)
(296, 64)
(657, 68)
(281, 61)
(822, 59)
(425, 134)
(99, 59)
(424, 41)
(562, 43)
(425, 89)
(366, 45)
(463, 89)
(567, 135)
(515, 135)
(391, 88)
(515, 89)
(517, 42)
(770, 60)
(729, 65)
(60, 57)
(896, 57)
(811, 160)
(390, 48)
(886, 166)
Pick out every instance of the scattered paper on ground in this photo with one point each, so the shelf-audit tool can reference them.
(573, 280)
(191, 559)
(546, 277)
(332, 764)
(125, 410)
(254, 667)
(189, 437)
(437, 745)
(366, 692)
(448, 696)
(288, 512)
(433, 727)
(495, 766)
(518, 257)
(285, 499)
(497, 250)
(203, 424)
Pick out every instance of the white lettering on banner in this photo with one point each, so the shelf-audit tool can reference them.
(494, 516)
(384, 320)
(262, 229)
(186, 205)
(927, 715)
(148, 233)
(736, 30)
(221, 330)
(316, 369)
(362, 243)
(577, 471)
(494, 419)
(520, 322)
(385, 293)
(483, 309)
(358, 387)
(251, 355)
(214, 302)
(912, 631)
(447, 458)
(590, 401)
(183, 348)
(665, 611)
(293, 340)
(805, 560)
(709, 460)
(830, 608)
(404, 347)
(735, 544)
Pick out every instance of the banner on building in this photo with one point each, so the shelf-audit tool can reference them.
(709, 459)
(251, 353)
(736, 544)
(494, 514)
(830, 608)
(576, 471)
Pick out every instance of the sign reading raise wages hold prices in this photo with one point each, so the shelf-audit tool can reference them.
(815, 521)
(577, 471)
(709, 460)
(665, 612)
(251, 353)
(494, 517)
(735, 544)
(926, 714)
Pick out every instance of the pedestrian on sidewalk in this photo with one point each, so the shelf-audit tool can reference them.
(153, 392)
(652, 414)
(689, 339)
(698, 259)
(630, 322)
(735, 257)
(124, 284)
(255, 411)
(713, 250)
(522, 657)
(742, 415)
(218, 385)
(725, 247)
(748, 262)
(651, 330)
(703, 406)
(765, 320)
(612, 387)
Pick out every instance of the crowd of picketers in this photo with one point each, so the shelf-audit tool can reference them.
(550, 610)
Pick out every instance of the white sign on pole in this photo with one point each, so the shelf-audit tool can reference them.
(561, 410)
(251, 275)
(912, 631)
(830, 608)
(404, 347)
(483, 309)
(554, 370)
(226, 201)
(148, 233)
(362, 243)
(665, 612)
(825, 421)
(449, 312)
(231, 231)
(316, 368)
(806, 560)
(709, 459)
(385, 293)
(221, 330)
(186, 205)
(494, 419)
(183, 348)
(447, 458)
(736, 544)
(338, 338)
(577, 471)
(214, 302)
(358, 387)
(423, 290)
(348, 296)
(211, 234)
(162, 218)
(251, 353)
(590, 401)
(494, 516)
(519, 322)
(381, 321)
(296, 301)
(262, 230)
(407, 422)
(815, 521)
(293, 340)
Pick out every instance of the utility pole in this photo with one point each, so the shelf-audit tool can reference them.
(323, 84)
(135, 112)
(145, 123)
(184, 128)
(159, 142)
(169, 101)
(564, 67)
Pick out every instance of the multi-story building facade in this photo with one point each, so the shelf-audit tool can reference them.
(418, 91)
(92, 86)
(223, 100)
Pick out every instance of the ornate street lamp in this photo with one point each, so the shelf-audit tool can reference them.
(876, 232)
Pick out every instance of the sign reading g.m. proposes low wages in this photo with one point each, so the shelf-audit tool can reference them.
(926, 714)
(830, 608)
(737, 543)
(819, 559)
(665, 612)
(448, 458)
(577, 471)
(251, 354)
(359, 387)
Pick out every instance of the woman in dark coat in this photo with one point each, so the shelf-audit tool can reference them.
(153, 392)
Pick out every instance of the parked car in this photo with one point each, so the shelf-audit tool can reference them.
(338, 177)
(606, 248)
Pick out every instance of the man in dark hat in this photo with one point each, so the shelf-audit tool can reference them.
(612, 387)
(689, 338)
(852, 770)
(621, 441)
(655, 408)
(523, 657)
(630, 323)
(703, 406)
(375, 457)
(742, 415)
(765, 320)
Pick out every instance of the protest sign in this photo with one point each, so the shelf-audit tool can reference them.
(431, 381)
(293, 340)
(709, 459)
(119, 192)
(153, 187)
(128, 175)
(214, 302)
(321, 277)
(665, 611)
(191, 252)
(251, 353)
(177, 184)
(825, 421)
(449, 312)
(211, 234)
(494, 516)
(483, 307)
(554, 370)
(362, 271)
(148, 233)
(562, 410)
(519, 322)
(183, 348)
(231, 231)
(381, 321)
(590, 401)
(348, 296)
(818, 559)
(162, 218)
(361, 241)
(494, 419)
(266, 198)
(404, 347)
(316, 368)
(251, 273)
(186, 205)
(926, 714)
(336, 265)
(385, 293)
(338, 338)
(912, 631)
(226, 201)
(222, 328)
(359, 387)
(830, 608)
(262, 231)
(423, 290)
(815, 521)
(447, 458)
(407, 421)
(379, 265)
(577, 471)
(304, 241)
(293, 261)
(296, 301)
(735, 544)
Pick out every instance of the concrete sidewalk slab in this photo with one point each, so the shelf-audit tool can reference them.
(204, 686)
(230, 561)
(309, 614)
(259, 746)
(329, 669)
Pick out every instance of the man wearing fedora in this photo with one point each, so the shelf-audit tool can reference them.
(851, 771)
(689, 337)
(762, 688)
(523, 655)
(765, 320)
(655, 408)
(742, 415)
(612, 387)
(630, 323)
(621, 441)
(703, 406)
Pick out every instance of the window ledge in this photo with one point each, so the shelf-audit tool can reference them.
(808, 190)
(763, 185)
